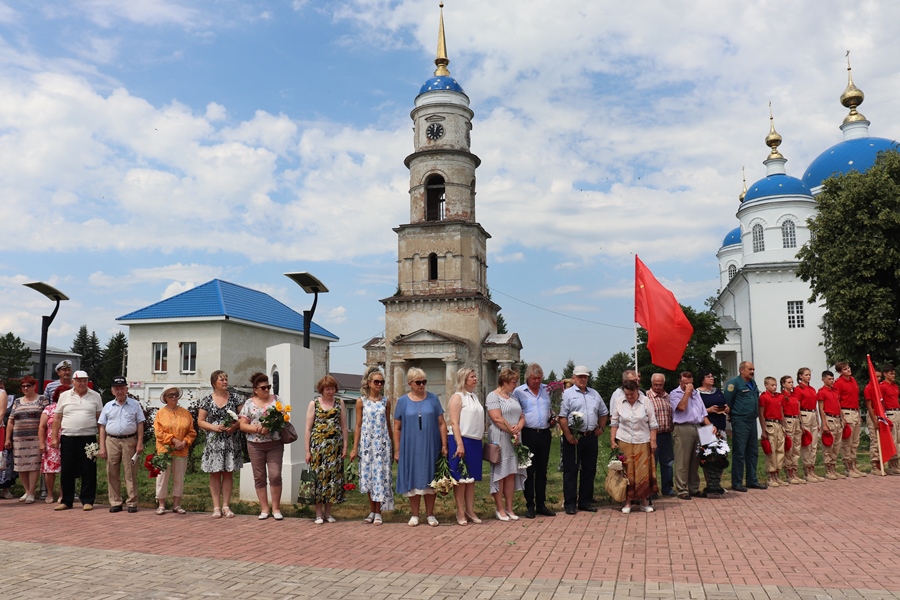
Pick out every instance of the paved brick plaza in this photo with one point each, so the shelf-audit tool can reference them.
(812, 541)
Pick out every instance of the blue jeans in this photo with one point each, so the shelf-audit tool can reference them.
(665, 458)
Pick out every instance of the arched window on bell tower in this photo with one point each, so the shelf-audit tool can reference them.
(434, 199)
(432, 267)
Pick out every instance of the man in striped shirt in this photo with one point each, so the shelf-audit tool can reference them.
(665, 452)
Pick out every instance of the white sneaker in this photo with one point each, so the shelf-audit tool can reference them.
(626, 509)
(647, 508)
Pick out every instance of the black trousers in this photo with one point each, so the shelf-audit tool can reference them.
(74, 463)
(538, 441)
(579, 494)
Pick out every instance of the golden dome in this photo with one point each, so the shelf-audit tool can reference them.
(441, 61)
(852, 97)
(773, 140)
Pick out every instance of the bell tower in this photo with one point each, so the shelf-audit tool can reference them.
(441, 317)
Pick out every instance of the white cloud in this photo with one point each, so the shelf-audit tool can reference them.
(563, 289)
(176, 287)
(337, 315)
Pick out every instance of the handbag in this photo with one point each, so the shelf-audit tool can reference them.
(288, 433)
(305, 493)
(490, 452)
(616, 485)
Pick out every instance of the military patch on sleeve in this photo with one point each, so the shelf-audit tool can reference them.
(730, 387)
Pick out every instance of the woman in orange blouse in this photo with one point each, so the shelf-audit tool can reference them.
(174, 427)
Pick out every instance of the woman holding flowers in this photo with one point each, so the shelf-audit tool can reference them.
(507, 421)
(218, 415)
(633, 431)
(372, 445)
(22, 435)
(716, 409)
(174, 428)
(464, 443)
(326, 447)
(263, 444)
(420, 436)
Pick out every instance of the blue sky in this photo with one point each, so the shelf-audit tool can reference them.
(148, 147)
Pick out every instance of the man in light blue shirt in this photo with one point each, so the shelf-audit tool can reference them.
(688, 413)
(580, 447)
(121, 437)
(539, 419)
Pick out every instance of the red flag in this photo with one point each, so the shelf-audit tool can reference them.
(873, 394)
(657, 311)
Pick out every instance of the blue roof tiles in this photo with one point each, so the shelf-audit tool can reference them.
(219, 298)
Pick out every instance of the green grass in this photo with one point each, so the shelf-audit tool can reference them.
(355, 507)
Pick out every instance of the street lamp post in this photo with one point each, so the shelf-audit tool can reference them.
(310, 285)
(53, 294)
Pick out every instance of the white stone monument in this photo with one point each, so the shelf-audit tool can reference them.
(291, 366)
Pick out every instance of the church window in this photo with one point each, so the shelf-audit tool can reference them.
(795, 314)
(434, 198)
(432, 267)
(732, 271)
(789, 234)
(759, 244)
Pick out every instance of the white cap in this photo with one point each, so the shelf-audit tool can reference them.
(581, 370)
(80, 375)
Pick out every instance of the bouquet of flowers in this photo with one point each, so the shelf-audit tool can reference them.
(157, 463)
(464, 476)
(616, 463)
(275, 417)
(523, 454)
(351, 475)
(442, 482)
(230, 419)
(577, 422)
(714, 455)
(92, 450)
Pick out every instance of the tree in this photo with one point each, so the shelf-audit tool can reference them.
(15, 361)
(113, 364)
(88, 346)
(698, 355)
(609, 376)
(551, 376)
(852, 262)
(570, 368)
(501, 324)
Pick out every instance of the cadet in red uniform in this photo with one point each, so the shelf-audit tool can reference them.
(890, 392)
(770, 408)
(848, 395)
(790, 406)
(873, 426)
(809, 421)
(833, 422)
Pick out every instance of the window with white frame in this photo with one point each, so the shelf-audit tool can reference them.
(160, 357)
(795, 314)
(759, 243)
(789, 234)
(732, 271)
(188, 357)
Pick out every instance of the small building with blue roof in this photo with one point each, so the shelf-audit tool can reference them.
(217, 325)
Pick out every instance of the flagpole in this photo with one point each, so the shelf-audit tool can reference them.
(636, 349)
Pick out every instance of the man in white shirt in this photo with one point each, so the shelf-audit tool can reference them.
(121, 438)
(76, 414)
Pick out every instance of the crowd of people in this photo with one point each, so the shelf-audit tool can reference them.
(678, 432)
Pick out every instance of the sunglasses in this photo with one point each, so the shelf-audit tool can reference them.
(26, 385)
(171, 395)
(378, 381)
(264, 387)
(422, 382)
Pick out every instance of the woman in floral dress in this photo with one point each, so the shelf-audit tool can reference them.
(22, 435)
(326, 447)
(372, 444)
(264, 447)
(50, 464)
(222, 454)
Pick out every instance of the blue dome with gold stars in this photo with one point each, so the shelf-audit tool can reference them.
(850, 155)
(441, 83)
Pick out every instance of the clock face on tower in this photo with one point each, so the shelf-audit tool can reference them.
(435, 131)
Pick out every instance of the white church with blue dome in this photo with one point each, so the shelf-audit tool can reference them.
(762, 303)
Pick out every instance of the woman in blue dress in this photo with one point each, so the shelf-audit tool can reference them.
(372, 445)
(420, 436)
